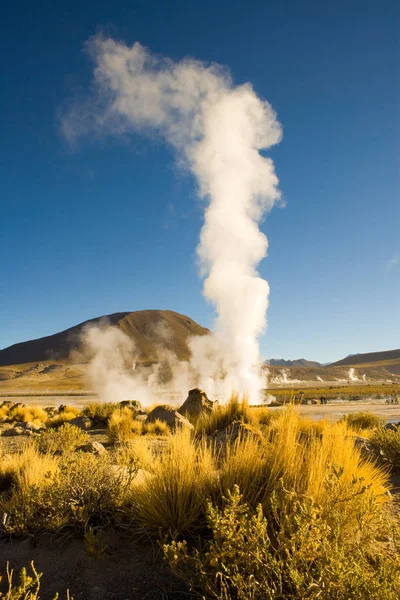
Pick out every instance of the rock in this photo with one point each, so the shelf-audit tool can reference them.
(196, 403)
(62, 408)
(93, 448)
(30, 426)
(133, 404)
(169, 415)
(392, 426)
(81, 422)
(51, 410)
(364, 445)
(234, 431)
(13, 431)
(141, 417)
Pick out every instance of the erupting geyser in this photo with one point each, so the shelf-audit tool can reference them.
(217, 130)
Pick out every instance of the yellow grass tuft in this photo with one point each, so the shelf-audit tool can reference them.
(122, 426)
(174, 498)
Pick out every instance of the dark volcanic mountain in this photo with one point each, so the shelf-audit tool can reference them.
(149, 329)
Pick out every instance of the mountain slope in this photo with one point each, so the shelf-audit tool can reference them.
(149, 330)
(369, 357)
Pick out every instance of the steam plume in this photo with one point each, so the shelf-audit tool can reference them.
(217, 131)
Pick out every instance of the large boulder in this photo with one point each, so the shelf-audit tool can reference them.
(236, 430)
(30, 426)
(132, 404)
(392, 426)
(168, 415)
(81, 422)
(15, 431)
(196, 403)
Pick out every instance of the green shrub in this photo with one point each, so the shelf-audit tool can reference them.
(292, 556)
(66, 439)
(386, 446)
(361, 420)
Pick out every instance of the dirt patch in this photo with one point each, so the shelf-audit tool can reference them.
(131, 569)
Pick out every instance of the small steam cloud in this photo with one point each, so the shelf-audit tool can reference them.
(352, 375)
(217, 131)
(282, 378)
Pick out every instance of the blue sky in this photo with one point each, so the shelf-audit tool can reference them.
(113, 225)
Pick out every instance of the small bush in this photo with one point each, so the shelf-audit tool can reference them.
(386, 446)
(64, 440)
(99, 412)
(361, 420)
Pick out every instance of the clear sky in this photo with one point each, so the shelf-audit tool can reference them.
(113, 225)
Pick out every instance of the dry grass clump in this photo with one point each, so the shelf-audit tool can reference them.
(173, 498)
(36, 414)
(99, 412)
(361, 420)
(122, 426)
(222, 416)
(157, 428)
(66, 415)
(303, 464)
(27, 414)
(26, 468)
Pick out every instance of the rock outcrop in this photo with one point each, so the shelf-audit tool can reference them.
(168, 415)
(196, 403)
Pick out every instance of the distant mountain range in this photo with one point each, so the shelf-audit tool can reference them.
(367, 358)
(149, 329)
(298, 362)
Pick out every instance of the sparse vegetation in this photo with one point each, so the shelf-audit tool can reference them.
(253, 503)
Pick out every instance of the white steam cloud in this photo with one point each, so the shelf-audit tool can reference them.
(217, 131)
